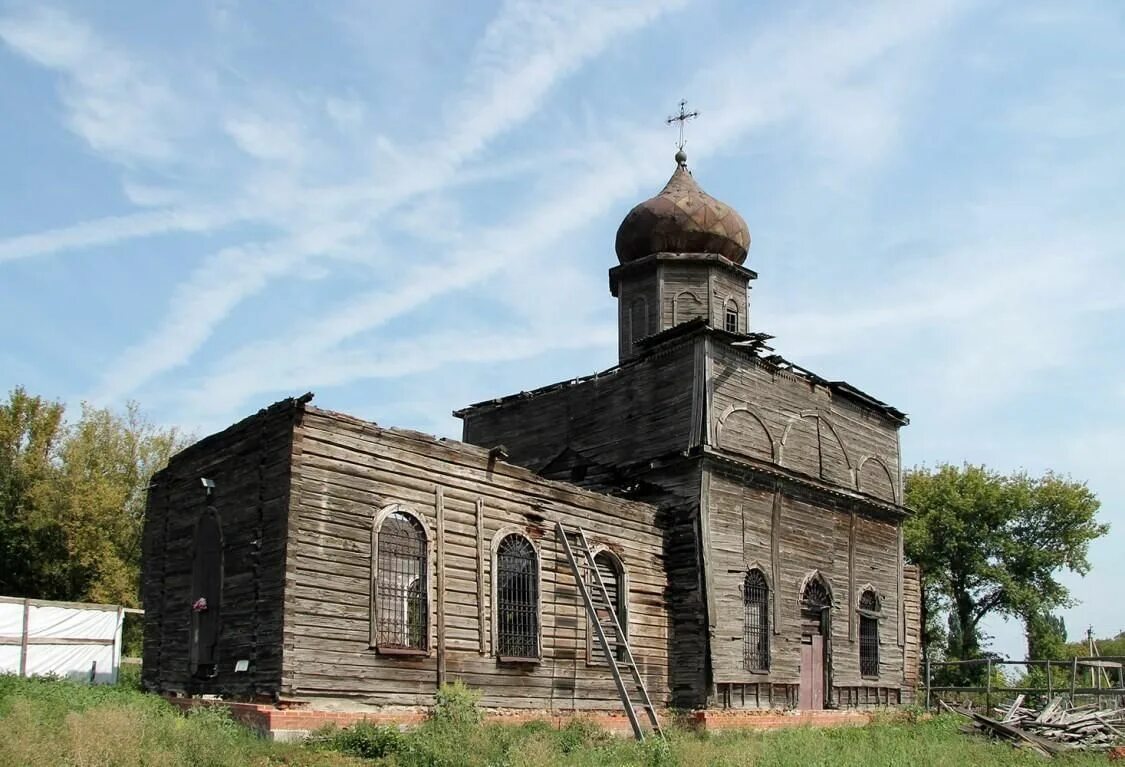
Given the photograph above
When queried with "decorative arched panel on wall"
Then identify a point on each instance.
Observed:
(834, 464)
(800, 445)
(687, 306)
(876, 479)
(742, 431)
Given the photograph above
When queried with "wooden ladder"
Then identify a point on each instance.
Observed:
(615, 650)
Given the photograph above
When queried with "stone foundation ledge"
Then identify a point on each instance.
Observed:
(295, 722)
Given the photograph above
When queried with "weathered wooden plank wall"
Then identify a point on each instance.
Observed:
(628, 415)
(912, 604)
(346, 470)
(249, 464)
(814, 535)
(810, 429)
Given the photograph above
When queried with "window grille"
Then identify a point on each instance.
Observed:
(731, 319)
(401, 607)
(756, 631)
(816, 594)
(613, 578)
(869, 634)
(517, 599)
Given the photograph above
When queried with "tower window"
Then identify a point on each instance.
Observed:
(730, 320)
(756, 629)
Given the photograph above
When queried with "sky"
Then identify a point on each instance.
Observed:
(209, 206)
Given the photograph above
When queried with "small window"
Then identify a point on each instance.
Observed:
(730, 320)
(756, 630)
(869, 634)
(613, 577)
(401, 606)
(517, 599)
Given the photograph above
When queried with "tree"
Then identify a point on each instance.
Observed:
(989, 543)
(1046, 636)
(72, 499)
(30, 430)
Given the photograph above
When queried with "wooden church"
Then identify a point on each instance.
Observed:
(725, 525)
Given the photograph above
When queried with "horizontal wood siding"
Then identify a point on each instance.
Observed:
(727, 286)
(249, 464)
(628, 415)
(812, 431)
(813, 536)
(346, 470)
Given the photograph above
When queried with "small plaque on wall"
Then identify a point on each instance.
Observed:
(242, 665)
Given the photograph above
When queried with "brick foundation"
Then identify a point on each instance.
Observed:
(294, 722)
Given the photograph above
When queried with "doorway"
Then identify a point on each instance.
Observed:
(816, 645)
(810, 697)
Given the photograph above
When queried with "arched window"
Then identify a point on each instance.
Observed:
(401, 606)
(816, 595)
(517, 599)
(869, 610)
(730, 317)
(756, 629)
(613, 576)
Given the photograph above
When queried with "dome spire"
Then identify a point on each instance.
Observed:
(681, 118)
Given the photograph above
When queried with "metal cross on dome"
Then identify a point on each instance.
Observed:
(682, 118)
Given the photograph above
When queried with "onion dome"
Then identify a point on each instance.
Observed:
(682, 219)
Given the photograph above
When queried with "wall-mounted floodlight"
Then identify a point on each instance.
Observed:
(208, 485)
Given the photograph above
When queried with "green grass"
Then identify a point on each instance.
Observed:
(59, 723)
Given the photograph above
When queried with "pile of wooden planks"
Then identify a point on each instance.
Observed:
(1054, 729)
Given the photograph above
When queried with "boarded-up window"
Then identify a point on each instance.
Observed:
(638, 319)
(756, 630)
(517, 599)
(687, 306)
(401, 604)
(613, 577)
(869, 634)
(206, 594)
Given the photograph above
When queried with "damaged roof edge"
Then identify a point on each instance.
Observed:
(752, 344)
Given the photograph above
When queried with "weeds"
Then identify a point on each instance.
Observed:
(47, 722)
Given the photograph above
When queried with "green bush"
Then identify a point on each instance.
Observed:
(580, 733)
(362, 739)
(456, 705)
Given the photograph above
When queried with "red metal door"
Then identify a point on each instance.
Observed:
(811, 694)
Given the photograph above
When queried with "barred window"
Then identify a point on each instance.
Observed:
(756, 631)
(869, 609)
(401, 607)
(730, 320)
(517, 599)
(613, 576)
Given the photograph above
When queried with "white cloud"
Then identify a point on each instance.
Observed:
(525, 52)
(612, 172)
(118, 107)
